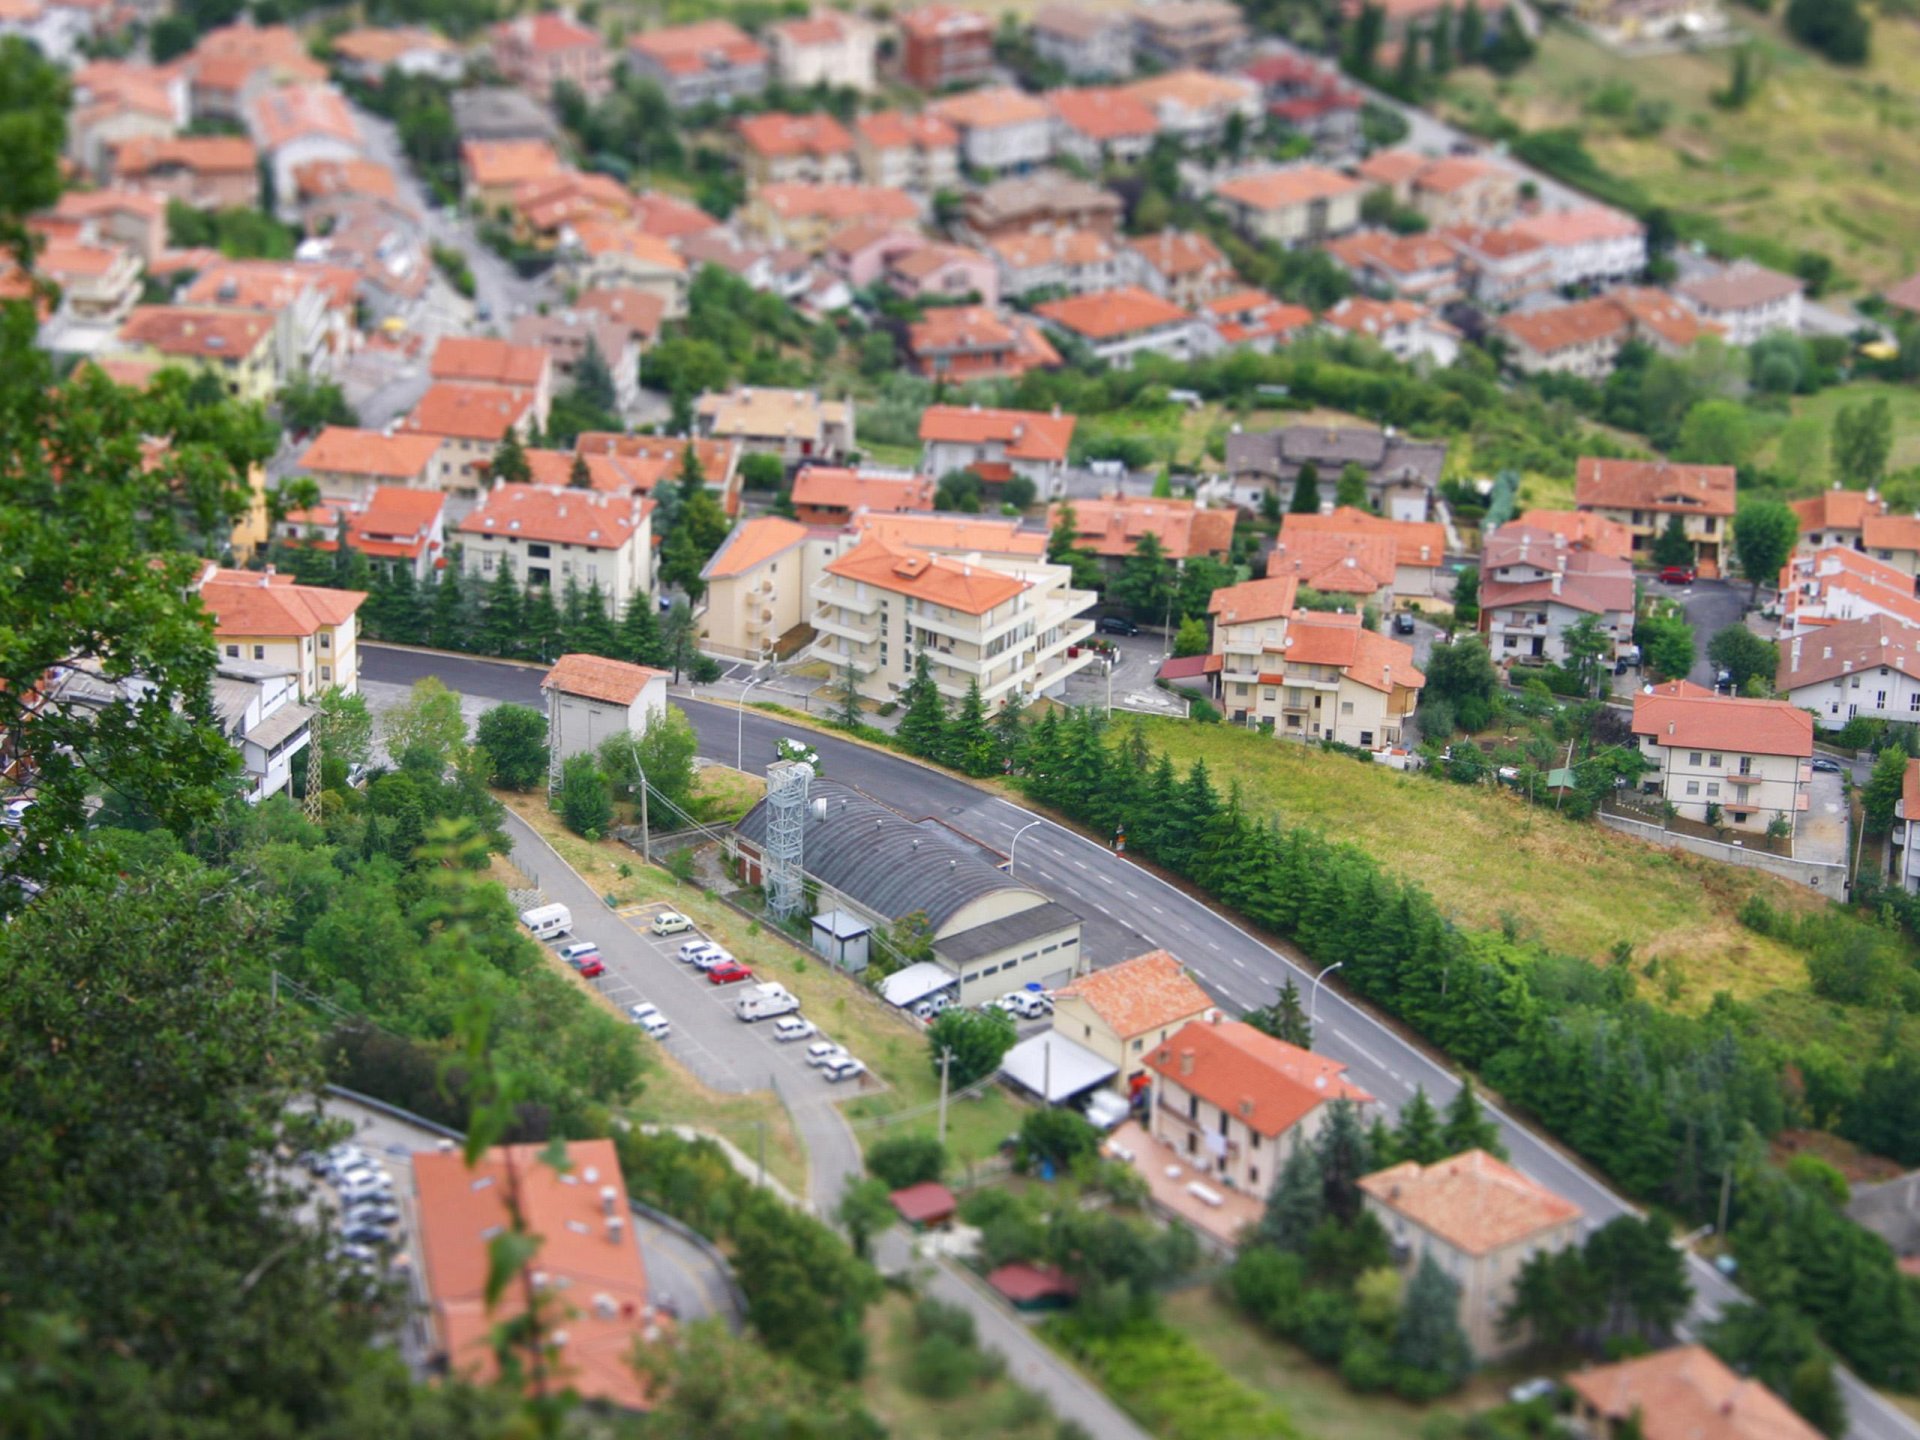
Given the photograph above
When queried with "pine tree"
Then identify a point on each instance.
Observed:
(1297, 1203)
(502, 617)
(923, 727)
(847, 694)
(638, 641)
(1468, 1127)
(1306, 491)
(968, 742)
(446, 628)
(1473, 33)
(545, 630)
(510, 461)
(573, 615)
(693, 475)
(1428, 1339)
(596, 634)
(1382, 1149)
(1342, 1150)
(1417, 1137)
(1441, 41)
(1066, 530)
(1291, 1017)
(403, 609)
(679, 637)
(593, 379)
(1010, 730)
(579, 476)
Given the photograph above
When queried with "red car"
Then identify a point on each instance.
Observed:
(728, 973)
(1677, 575)
(594, 968)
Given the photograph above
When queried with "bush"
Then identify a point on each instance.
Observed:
(586, 799)
(903, 1160)
(1059, 1136)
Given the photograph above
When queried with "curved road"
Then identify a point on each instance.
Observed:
(1127, 910)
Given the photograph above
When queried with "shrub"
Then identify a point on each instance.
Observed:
(680, 864)
(903, 1160)
(586, 799)
(1060, 1136)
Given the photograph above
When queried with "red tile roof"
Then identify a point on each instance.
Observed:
(670, 217)
(845, 488)
(1110, 314)
(1848, 647)
(1335, 562)
(776, 136)
(549, 34)
(796, 199)
(302, 112)
(1838, 509)
(1741, 286)
(1653, 485)
(1254, 600)
(684, 49)
(598, 678)
(205, 334)
(1891, 532)
(558, 515)
(1295, 185)
(1022, 1284)
(990, 108)
(1148, 992)
(1754, 727)
(493, 164)
(200, 154)
(753, 542)
(927, 1203)
(467, 412)
(901, 129)
(1416, 543)
(1267, 1084)
(1686, 1393)
(475, 360)
(1561, 327)
(1113, 525)
(1375, 661)
(1174, 253)
(1103, 113)
(338, 450)
(1583, 530)
(244, 603)
(1472, 1201)
(271, 285)
(1026, 434)
(932, 579)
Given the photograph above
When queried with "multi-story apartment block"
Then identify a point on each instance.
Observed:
(1292, 205)
(1713, 756)
(543, 51)
(1747, 301)
(1117, 325)
(1183, 266)
(1643, 494)
(1086, 44)
(1868, 667)
(1533, 586)
(816, 149)
(553, 536)
(941, 47)
(1200, 34)
(1002, 131)
(234, 346)
(996, 445)
(830, 47)
(711, 60)
(905, 151)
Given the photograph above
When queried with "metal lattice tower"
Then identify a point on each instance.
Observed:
(553, 743)
(787, 782)
(310, 802)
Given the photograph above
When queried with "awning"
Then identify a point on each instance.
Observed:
(1055, 1068)
(916, 982)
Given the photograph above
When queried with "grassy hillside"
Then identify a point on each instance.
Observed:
(1490, 860)
(1822, 158)
(1801, 446)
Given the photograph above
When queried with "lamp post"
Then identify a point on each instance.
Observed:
(1313, 996)
(1014, 844)
(740, 723)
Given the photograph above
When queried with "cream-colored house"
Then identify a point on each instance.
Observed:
(308, 630)
(1127, 1010)
(1744, 759)
(550, 535)
(467, 424)
(350, 464)
(1481, 1221)
(1231, 1100)
(1643, 494)
(759, 585)
(796, 425)
(830, 47)
(1295, 205)
(1007, 624)
(590, 698)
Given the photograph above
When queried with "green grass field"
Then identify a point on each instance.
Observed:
(1822, 158)
(1800, 447)
(998, 1408)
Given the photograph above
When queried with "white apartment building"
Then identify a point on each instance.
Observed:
(1746, 300)
(1534, 586)
(831, 47)
(1001, 131)
(996, 444)
(1744, 758)
(546, 535)
(1867, 667)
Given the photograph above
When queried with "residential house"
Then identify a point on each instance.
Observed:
(1293, 205)
(1002, 131)
(545, 209)
(387, 255)
(1660, 321)
(1007, 626)
(1711, 757)
(58, 29)
(1588, 243)
(1232, 1101)
(312, 307)
(670, 218)
(1183, 266)
(235, 346)
(556, 536)
(295, 125)
(1101, 125)
(1480, 1222)
(208, 172)
(327, 191)
(1499, 268)
(542, 51)
(589, 1251)
(1893, 540)
(499, 112)
(1534, 586)
(1419, 546)
(567, 335)
(829, 494)
(1421, 268)
(994, 538)
(1198, 108)
(1252, 320)
(1116, 325)
(1840, 584)
(1087, 44)
(1580, 339)
(309, 631)
(997, 444)
(1582, 531)
(651, 458)
(1401, 474)
(759, 586)
(902, 151)
(350, 466)
(257, 705)
(804, 217)
(1836, 517)
(1448, 190)
(591, 699)
(1868, 667)
(859, 253)
(234, 65)
(492, 171)
(1906, 815)
(942, 274)
(1682, 1393)
(479, 360)
(1643, 495)
(467, 424)
(1189, 34)
(112, 117)
(834, 48)
(394, 527)
(99, 284)
(796, 425)
(1112, 527)
(942, 47)
(776, 148)
(599, 254)
(366, 55)
(1311, 97)
(1746, 300)
(1075, 262)
(1405, 329)
(710, 60)
(1353, 567)
(1044, 201)
(1125, 1012)
(958, 343)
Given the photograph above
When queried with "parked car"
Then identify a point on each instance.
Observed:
(1115, 625)
(1025, 1004)
(375, 1212)
(691, 950)
(579, 952)
(649, 1019)
(593, 968)
(1677, 574)
(843, 1067)
(1826, 765)
(364, 1235)
(15, 814)
(1527, 1391)
(792, 1027)
(1403, 624)
(671, 922)
(822, 1052)
(729, 973)
(712, 958)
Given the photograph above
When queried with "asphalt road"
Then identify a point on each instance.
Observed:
(1127, 910)
(1710, 606)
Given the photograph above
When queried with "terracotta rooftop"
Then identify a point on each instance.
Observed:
(930, 579)
(753, 542)
(1472, 1201)
(823, 28)
(1364, 315)
(360, 179)
(1294, 185)
(1103, 112)
(951, 534)
(1891, 532)
(558, 515)
(1390, 254)
(66, 260)
(902, 129)
(201, 154)
(467, 412)
(1562, 327)
(1177, 252)
(1846, 648)
(1254, 600)
(685, 49)
(669, 217)
(927, 1203)
(1663, 316)
(338, 450)
(1741, 286)
(1375, 661)
(377, 45)
(1838, 509)
(1583, 529)
(548, 33)
(598, 678)
(795, 199)
(271, 285)
(776, 135)
(1416, 543)
(302, 112)
(845, 488)
(990, 108)
(1584, 225)
(496, 164)
(1113, 525)
(1653, 485)
(1074, 23)
(1753, 727)
(1110, 314)
(1026, 434)
(1058, 247)
(476, 360)
(1335, 562)
(1687, 1393)
(1266, 1084)
(934, 22)
(205, 334)
(247, 603)
(767, 412)
(1148, 992)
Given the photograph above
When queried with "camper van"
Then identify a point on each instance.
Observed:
(763, 1002)
(547, 921)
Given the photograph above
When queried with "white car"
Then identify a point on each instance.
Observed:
(845, 1067)
(824, 1052)
(576, 954)
(712, 956)
(15, 814)
(648, 1017)
(693, 949)
(671, 922)
(792, 1027)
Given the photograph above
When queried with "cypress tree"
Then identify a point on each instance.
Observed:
(923, 727)
(968, 743)
(639, 637)
(502, 616)
(1297, 1203)
(1010, 730)
(1468, 1127)
(446, 622)
(1428, 1339)
(595, 634)
(1417, 1137)
(1306, 491)
(545, 629)
(1342, 1147)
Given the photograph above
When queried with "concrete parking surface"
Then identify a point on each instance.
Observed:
(1821, 835)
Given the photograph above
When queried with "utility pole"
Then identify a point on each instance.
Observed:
(946, 1064)
(761, 1127)
(646, 838)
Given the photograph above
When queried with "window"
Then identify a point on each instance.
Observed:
(1693, 787)
(1253, 1171)
(1856, 682)
(326, 672)
(1346, 707)
(259, 652)
(326, 640)
(1852, 710)
(1879, 699)
(1193, 1107)
(539, 552)
(1713, 787)
(1089, 1030)
(1913, 702)
(1137, 1044)
(233, 651)
(1713, 762)
(1746, 764)
(1694, 758)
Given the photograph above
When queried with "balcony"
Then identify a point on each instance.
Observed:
(830, 592)
(828, 622)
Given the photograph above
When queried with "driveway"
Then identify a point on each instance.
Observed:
(1821, 835)
(1130, 683)
(1710, 607)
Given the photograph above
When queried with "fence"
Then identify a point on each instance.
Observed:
(1829, 879)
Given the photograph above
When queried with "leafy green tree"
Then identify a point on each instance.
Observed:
(1058, 1136)
(1589, 648)
(903, 1160)
(1468, 1127)
(1306, 491)
(1666, 645)
(967, 743)
(665, 750)
(1764, 534)
(308, 404)
(1417, 1136)
(1199, 578)
(1838, 29)
(923, 728)
(1744, 656)
(1461, 673)
(586, 799)
(1192, 637)
(1145, 583)
(344, 726)
(515, 739)
(678, 632)
(1671, 546)
(808, 1290)
(1716, 432)
(510, 461)
(1555, 1301)
(1861, 441)
(428, 723)
(715, 1385)
(1640, 1276)
(33, 127)
(1351, 487)
(1430, 1350)
(1882, 790)
(1466, 597)
(977, 1039)
(865, 1210)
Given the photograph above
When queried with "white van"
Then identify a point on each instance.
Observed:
(547, 921)
(764, 1002)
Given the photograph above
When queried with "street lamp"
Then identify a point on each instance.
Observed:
(1313, 997)
(740, 722)
(1015, 844)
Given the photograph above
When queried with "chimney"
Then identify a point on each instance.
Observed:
(1557, 578)
(1186, 1062)
(609, 1198)
(616, 1229)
